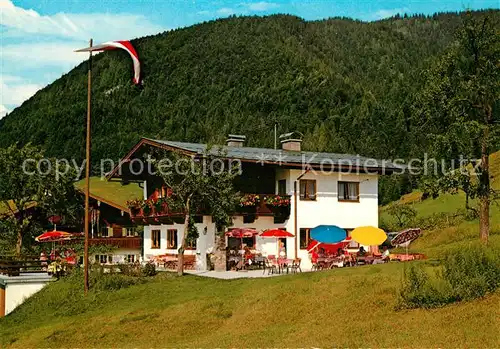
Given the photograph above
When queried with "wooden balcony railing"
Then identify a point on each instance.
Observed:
(252, 204)
(133, 242)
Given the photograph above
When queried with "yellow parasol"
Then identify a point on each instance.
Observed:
(368, 235)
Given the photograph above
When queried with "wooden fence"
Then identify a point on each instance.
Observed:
(13, 266)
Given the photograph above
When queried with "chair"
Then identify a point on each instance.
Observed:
(295, 266)
(271, 267)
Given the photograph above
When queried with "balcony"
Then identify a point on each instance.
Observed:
(134, 242)
(149, 211)
(265, 205)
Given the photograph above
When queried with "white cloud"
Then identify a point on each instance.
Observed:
(56, 53)
(242, 8)
(260, 6)
(226, 11)
(60, 54)
(42, 46)
(3, 110)
(15, 90)
(380, 14)
(101, 26)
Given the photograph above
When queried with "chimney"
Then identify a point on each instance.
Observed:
(235, 140)
(290, 141)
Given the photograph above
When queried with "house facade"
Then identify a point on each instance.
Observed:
(111, 224)
(293, 190)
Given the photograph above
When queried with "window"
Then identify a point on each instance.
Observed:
(131, 258)
(191, 245)
(105, 232)
(155, 238)
(172, 238)
(249, 218)
(103, 259)
(307, 189)
(349, 191)
(282, 187)
(130, 231)
(305, 237)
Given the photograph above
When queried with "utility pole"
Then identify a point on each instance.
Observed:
(87, 175)
(275, 139)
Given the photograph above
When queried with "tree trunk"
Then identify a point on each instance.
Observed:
(19, 243)
(182, 247)
(484, 184)
(220, 252)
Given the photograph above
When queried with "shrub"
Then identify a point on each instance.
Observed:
(113, 282)
(472, 272)
(421, 290)
(463, 275)
(148, 270)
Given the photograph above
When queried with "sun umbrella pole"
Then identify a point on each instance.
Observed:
(87, 174)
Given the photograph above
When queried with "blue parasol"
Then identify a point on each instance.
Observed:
(328, 234)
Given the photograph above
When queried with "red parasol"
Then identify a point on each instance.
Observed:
(332, 248)
(242, 233)
(276, 233)
(52, 236)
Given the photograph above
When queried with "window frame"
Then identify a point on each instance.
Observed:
(347, 185)
(308, 237)
(153, 232)
(175, 245)
(306, 196)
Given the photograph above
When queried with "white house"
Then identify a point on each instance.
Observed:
(321, 188)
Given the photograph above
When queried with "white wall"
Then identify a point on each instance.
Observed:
(204, 243)
(19, 288)
(326, 209)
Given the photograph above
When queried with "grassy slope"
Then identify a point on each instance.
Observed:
(435, 241)
(344, 308)
(113, 192)
(353, 307)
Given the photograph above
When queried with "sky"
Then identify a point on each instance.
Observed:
(38, 37)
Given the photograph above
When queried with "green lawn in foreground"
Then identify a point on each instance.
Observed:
(352, 307)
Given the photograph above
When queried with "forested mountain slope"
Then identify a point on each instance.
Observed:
(347, 85)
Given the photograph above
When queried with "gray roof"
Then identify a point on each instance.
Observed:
(284, 157)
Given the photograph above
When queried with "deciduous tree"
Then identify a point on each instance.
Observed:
(198, 185)
(31, 189)
(459, 110)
